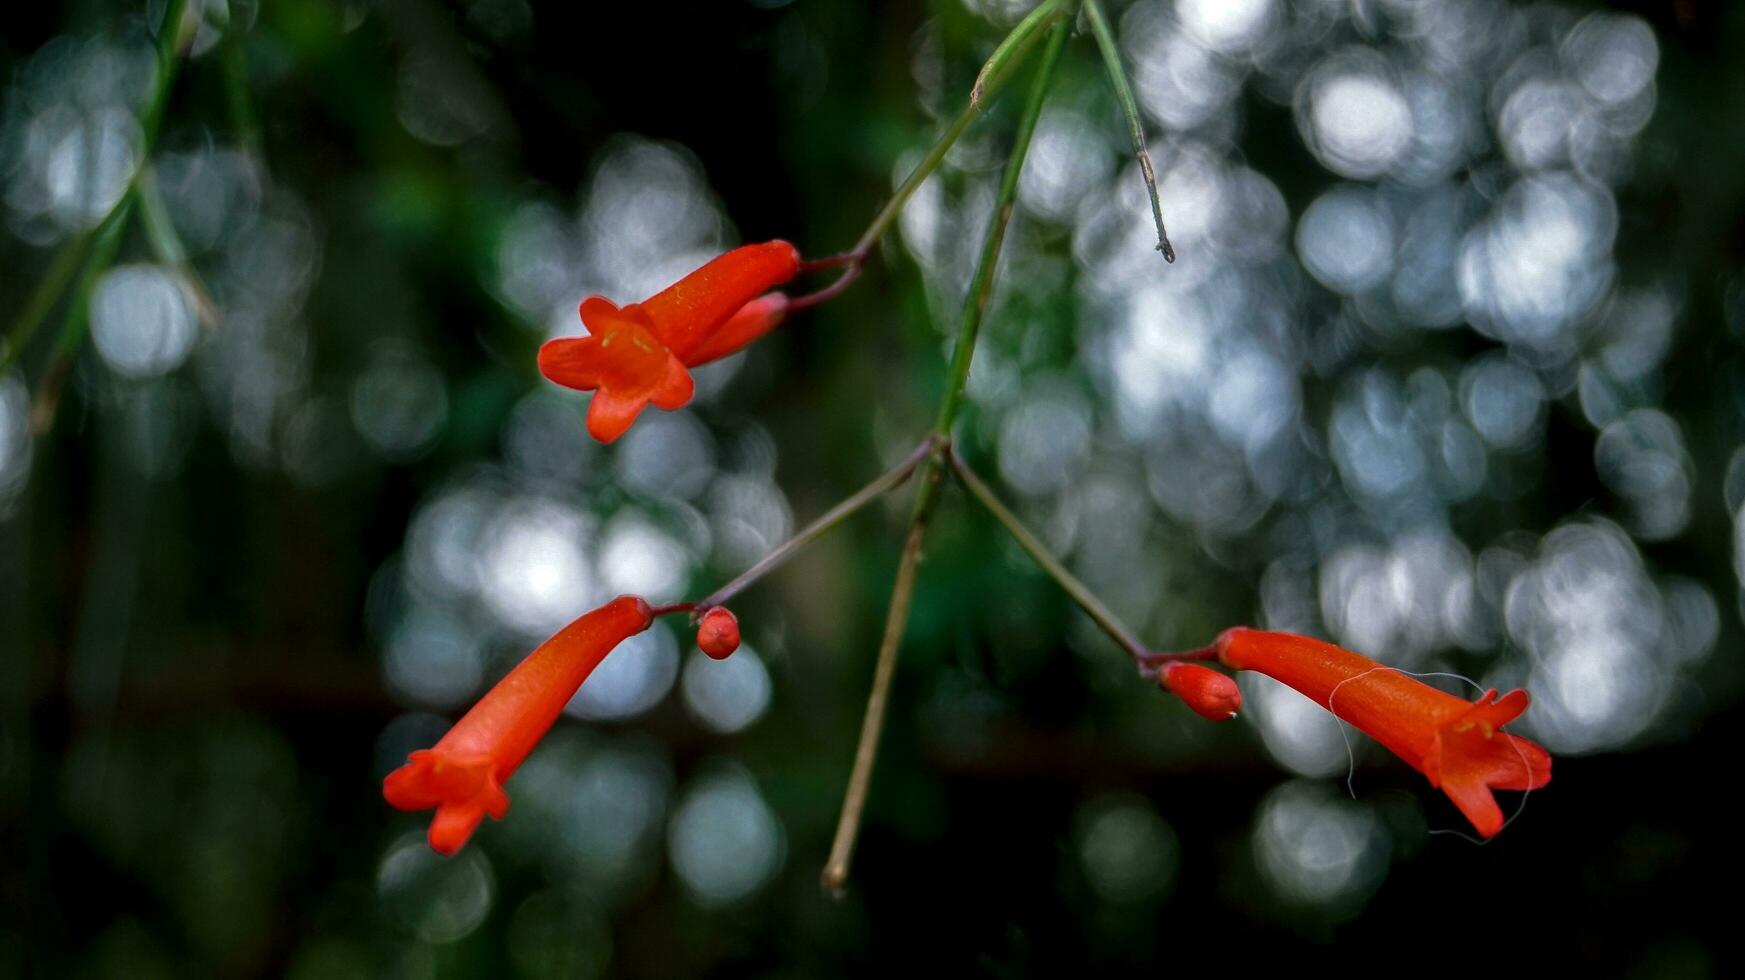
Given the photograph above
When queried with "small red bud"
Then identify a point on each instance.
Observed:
(718, 633)
(1209, 694)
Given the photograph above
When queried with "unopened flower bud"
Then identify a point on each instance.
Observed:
(1209, 694)
(718, 633)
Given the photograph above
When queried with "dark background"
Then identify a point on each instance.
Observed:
(246, 565)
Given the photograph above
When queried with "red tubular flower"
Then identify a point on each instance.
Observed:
(638, 354)
(462, 776)
(1454, 742)
(1209, 694)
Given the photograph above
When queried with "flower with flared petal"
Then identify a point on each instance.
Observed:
(462, 775)
(1457, 744)
(639, 354)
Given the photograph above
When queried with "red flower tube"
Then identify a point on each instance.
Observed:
(638, 354)
(1454, 742)
(462, 776)
(686, 313)
(753, 320)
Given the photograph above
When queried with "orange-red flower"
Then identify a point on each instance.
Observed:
(638, 354)
(462, 776)
(1454, 742)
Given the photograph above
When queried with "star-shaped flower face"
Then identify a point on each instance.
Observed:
(637, 355)
(460, 789)
(622, 361)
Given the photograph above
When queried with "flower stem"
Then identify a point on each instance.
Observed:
(1027, 539)
(1130, 109)
(233, 64)
(1006, 58)
(1154, 660)
(54, 375)
(888, 481)
(849, 274)
(170, 46)
(872, 724)
(167, 248)
(68, 261)
(73, 255)
(835, 874)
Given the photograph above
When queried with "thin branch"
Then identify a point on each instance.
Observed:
(171, 45)
(890, 480)
(1027, 539)
(878, 700)
(1154, 660)
(49, 288)
(233, 65)
(54, 375)
(1011, 50)
(167, 247)
(830, 292)
(835, 874)
(72, 256)
(1006, 58)
(1130, 109)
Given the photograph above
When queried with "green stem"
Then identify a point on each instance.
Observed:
(1130, 109)
(160, 230)
(167, 247)
(102, 254)
(54, 374)
(835, 874)
(73, 254)
(233, 64)
(107, 236)
(1006, 58)
(981, 287)
(872, 723)
(888, 481)
(1027, 539)
(48, 290)
(169, 44)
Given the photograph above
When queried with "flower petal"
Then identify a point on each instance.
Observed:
(430, 777)
(1490, 713)
(675, 388)
(1503, 761)
(573, 362)
(596, 312)
(1477, 803)
(462, 789)
(612, 412)
(1469, 764)
(453, 826)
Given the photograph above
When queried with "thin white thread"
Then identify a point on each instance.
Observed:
(1351, 757)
